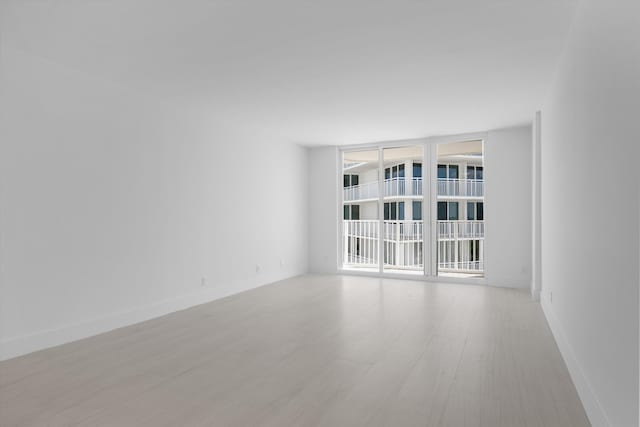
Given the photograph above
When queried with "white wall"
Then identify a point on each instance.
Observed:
(590, 154)
(114, 206)
(508, 207)
(323, 209)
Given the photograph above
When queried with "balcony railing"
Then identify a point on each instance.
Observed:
(403, 187)
(454, 230)
(361, 192)
(400, 187)
(392, 187)
(460, 244)
(460, 187)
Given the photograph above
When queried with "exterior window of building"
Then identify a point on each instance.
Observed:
(396, 171)
(453, 211)
(475, 211)
(448, 171)
(442, 211)
(352, 212)
(417, 170)
(475, 172)
(416, 210)
(447, 211)
(350, 180)
(394, 211)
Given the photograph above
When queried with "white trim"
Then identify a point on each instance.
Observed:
(22, 345)
(536, 203)
(594, 410)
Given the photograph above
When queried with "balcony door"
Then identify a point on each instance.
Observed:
(414, 210)
(360, 222)
(403, 228)
(459, 202)
(382, 197)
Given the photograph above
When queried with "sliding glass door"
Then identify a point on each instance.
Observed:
(360, 219)
(460, 209)
(414, 210)
(403, 226)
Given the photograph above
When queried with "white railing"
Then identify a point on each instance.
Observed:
(361, 192)
(402, 231)
(403, 187)
(392, 187)
(460, 187)
(460, 244)
(461, 266)
(413, 187)
(360, 243)
(454, 230)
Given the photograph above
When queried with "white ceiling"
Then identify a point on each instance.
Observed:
(314, 72)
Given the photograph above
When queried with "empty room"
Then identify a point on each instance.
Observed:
(320, 213)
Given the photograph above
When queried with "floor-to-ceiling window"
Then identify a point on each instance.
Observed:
(403, 237)
(414, 209)
(460, 209)
(360, 223)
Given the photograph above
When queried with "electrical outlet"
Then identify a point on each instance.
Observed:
(281, 262)
(257, 268)
(550, 296)
(203, 281)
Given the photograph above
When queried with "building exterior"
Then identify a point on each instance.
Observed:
(458, 214)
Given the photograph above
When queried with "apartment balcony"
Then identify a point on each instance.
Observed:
(460, 230)
(413, 187)
(461, 188)
(460, 245)
(362, 192)
(393, 187)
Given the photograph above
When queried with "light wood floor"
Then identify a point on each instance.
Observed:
(313, 350)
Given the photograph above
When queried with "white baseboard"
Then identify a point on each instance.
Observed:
(594, 410)
(22, 345)
(508, 283)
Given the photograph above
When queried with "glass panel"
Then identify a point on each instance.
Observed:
(453, 211)
(417, 170)
(460, 208)
(355, 212)
(361, 225)
(403, 230)
(416, 211)
(471, 172)
(442, 171)
(442, 211)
